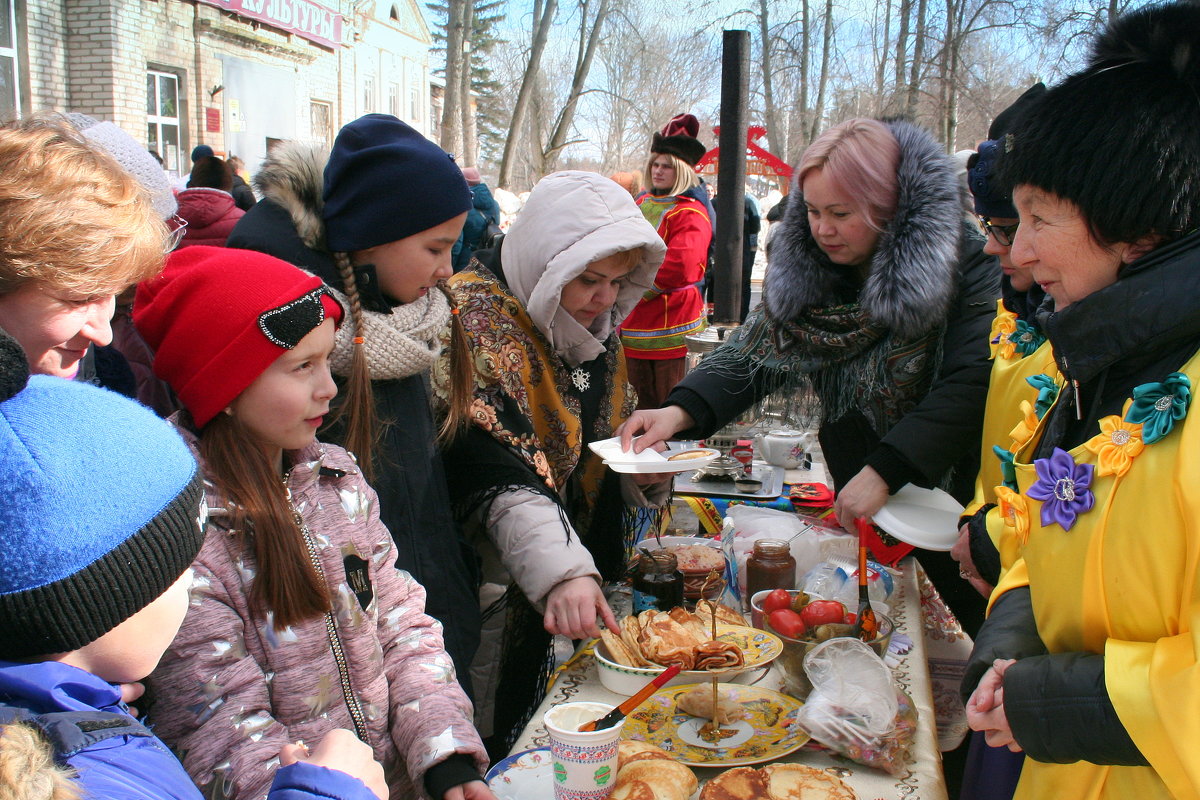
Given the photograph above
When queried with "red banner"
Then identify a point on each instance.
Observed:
(306, 19)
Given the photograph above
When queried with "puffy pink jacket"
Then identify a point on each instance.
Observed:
(231, 690)
(210, 214)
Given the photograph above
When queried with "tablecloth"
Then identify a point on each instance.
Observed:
(578, 680)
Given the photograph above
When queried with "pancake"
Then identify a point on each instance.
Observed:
(739, 783)
(654, 779)
(800, 782)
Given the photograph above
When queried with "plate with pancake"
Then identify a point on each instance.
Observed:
(766, 730)
(678, 457)
(777, 782)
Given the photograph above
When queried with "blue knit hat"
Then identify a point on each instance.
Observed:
(992, 199)
(201, 151)
(384, 182)
(101, 513)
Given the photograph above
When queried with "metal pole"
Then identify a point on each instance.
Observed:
(731, 177)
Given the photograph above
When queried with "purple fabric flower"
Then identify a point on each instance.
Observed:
(1063, 487)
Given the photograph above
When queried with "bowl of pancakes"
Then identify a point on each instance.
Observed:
(647, 643)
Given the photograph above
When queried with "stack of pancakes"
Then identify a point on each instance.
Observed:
(776, 782)
(646, 772)
(663, 639)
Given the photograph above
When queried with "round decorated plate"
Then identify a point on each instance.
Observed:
(768, 731)
(759, 647)
(523, 776)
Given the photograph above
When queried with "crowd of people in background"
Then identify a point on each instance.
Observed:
(308, 456)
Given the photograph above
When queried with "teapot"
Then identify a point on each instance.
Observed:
(783, 448)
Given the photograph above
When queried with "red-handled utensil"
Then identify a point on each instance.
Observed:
(866, 625)
(618, 713)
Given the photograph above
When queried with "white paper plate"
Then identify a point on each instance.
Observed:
(651, 461)
(925, 518)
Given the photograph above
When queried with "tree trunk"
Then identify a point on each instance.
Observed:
(543, 15)
(451, 133)
(914, 74)
(902, 41)
(776, 141)
(881, 64)
(805, 59)
(470, 144)
(823, 81)
(583, 65)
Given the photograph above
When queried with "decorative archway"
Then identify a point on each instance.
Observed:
(759, 160)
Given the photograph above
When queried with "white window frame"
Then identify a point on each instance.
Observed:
(12, 53)
(158, 120)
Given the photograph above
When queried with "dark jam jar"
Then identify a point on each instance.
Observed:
(657, 582)
(770, 566)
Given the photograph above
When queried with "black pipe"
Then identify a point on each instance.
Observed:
(731, 177)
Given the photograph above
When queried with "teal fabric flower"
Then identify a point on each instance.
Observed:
(1158, 406)
(1007, 470)
(1047, 391)
(1026, 338)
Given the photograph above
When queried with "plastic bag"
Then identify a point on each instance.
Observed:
(751, 523)
(855, 708)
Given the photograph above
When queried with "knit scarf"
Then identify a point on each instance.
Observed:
(850, 362)
(403, 343)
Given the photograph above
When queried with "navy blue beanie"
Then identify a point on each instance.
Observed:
(101, 514)
(384, 182)
(201, 151)
(992, 199)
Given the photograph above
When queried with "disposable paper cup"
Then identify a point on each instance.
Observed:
(585, 764)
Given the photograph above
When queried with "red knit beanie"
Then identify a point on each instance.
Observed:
(217, 317)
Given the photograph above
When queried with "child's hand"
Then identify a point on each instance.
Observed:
(131, 692)
(341, 750)
(475, 790)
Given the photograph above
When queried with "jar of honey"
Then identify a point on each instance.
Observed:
(657, 582)
(770, 566)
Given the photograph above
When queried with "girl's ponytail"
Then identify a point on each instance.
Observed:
(287, 583)
(356, 413)
(461, 377)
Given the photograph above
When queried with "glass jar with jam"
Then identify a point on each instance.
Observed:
(770, 566)
(657, 582)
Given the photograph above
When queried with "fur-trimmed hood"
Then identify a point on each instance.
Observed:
(294, 177)
(914, 270)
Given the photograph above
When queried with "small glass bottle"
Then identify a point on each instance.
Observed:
(770, 566)
(657, 583)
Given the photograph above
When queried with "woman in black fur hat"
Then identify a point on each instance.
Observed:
(878, 297)
(1089, 661)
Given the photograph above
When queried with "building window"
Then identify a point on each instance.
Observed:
(10, 92)
(369, 102)
(414, 105)
(162, 119)
(321, 115)
(394, 100)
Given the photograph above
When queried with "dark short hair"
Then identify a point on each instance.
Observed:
(212, 173)
(1119, 139)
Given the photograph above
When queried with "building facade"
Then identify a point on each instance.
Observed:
(237, 75)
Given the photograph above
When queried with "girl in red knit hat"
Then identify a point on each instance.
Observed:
(299, 620)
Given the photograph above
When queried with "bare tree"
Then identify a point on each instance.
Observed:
(454, 99)
(589, 35)
(543, 15)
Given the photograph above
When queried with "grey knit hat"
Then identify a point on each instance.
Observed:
(136, 160)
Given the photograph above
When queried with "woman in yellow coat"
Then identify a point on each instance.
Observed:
(1089, 661)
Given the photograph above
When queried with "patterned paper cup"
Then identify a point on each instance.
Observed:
(585, 764)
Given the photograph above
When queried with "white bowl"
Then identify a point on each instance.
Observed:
(761, 649)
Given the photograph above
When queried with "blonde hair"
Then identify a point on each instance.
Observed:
(862, 156)
(70, 217)
(685, 174)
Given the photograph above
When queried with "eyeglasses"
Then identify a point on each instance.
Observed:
(176, 228)
(1004, 233)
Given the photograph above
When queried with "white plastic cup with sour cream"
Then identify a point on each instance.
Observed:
(585, 764)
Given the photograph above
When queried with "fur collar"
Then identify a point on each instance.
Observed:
(294, 177)
(914, 269)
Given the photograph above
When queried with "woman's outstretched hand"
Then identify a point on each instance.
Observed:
(572, 607)
(654, 426)
(862, 496)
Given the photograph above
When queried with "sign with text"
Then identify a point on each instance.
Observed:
(306, 19)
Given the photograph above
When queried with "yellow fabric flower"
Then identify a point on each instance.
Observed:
(1003, 327)
(1025, 428)
(1117, 444)
(1014, 511)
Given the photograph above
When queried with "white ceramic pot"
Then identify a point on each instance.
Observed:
(783, 448)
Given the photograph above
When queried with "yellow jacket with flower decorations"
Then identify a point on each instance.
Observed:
(1121, 582)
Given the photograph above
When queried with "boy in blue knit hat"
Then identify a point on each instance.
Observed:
(101, 519)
